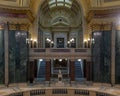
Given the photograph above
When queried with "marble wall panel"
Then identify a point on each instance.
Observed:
(18, 56)
(101, 56)
(117, 57)
(2, 63)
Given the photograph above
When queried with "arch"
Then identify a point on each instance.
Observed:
(38, 3)
(79, 14)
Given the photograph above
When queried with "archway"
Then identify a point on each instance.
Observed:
(60, 19)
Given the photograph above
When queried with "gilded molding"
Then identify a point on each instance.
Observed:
(100, 27)
(12, 27)
(30, 16)
(102, 13)
(1, 26)
(24, 27)
(14, 13)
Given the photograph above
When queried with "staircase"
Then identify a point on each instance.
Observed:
(79, 71)
(41, 71)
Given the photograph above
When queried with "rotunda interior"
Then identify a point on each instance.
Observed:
(59, 47)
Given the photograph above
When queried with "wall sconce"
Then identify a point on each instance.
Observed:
(79, 60)
(31, 43)
(93, 40)
(35, 43)
(85, 43)
(51, 43)
(48, 40)
(89, 41)
(70, 41)
(60, 60)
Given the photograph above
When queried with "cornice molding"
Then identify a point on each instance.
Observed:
(103, 13)
(17, 13)
(14, 7)
(59, 27)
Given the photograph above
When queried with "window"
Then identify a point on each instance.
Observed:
(65, 3)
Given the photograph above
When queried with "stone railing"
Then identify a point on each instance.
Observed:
(60, 52)
(59, 91)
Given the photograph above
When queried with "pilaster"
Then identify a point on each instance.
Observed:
(48, 72)
(88, 70)
(72, 70)
(6, 53)
(113, 55)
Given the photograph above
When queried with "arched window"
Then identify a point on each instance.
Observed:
(66, 3)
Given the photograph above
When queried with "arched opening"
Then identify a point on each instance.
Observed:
(60, 20)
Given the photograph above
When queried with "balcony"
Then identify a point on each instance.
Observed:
(72, 53)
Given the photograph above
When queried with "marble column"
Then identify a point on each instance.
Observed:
(6, 29)
(72, 70)
(48, 70)
(113, 54)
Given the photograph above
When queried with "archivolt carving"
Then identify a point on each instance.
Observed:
(67, 16)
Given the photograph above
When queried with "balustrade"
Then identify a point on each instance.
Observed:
(53, 52)
(60, 91)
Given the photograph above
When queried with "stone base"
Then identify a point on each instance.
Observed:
(59, 83)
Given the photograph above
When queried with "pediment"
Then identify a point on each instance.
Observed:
(60, 24)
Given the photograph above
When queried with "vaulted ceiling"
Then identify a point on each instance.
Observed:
(34, 5)
(65, 12)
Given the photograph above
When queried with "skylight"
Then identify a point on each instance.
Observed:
(55, 3)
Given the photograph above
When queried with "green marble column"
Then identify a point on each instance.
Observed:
(117, 57)
(18, 56)
(2, 55)
(101, 56)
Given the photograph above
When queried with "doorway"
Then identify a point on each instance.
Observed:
(60, 65)
(60, 42)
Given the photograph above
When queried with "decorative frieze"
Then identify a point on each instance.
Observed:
(24, 27)
(12, 27)
(103, 15)
(101, 26)
(17, 13)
